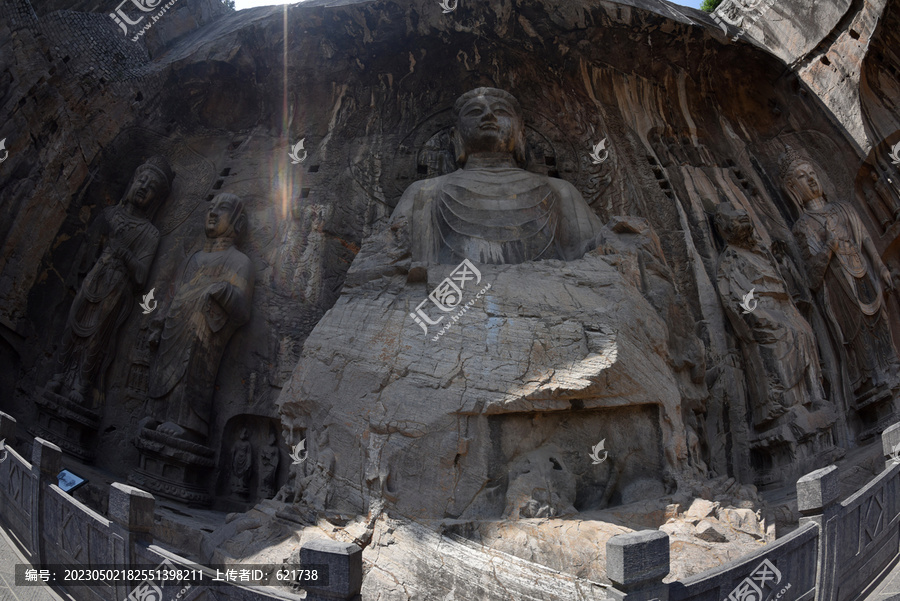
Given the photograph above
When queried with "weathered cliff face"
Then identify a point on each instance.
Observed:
(691, 120)
(840, 49)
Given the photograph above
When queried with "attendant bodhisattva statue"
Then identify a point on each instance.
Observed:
(109, 291)
(211, 300)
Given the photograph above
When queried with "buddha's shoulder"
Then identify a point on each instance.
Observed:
(562, 186)
(432, 183)
(238, 256)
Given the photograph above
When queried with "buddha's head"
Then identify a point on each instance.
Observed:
(150, 185)
(734, 225)
(800, 178)
(488, 120)
(225, 217)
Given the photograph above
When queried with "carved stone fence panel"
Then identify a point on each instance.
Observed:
(858, 538)
(862, 533)
(52, 528)
(837, 553)
(787, 565)
(17, 485)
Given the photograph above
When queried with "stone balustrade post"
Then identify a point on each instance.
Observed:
(7, 428)
(890, 444)
(636, 563)
(46, 462)
(131, 512)
(344, 561)
(816, 494)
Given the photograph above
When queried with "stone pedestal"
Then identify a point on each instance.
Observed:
(68, 424)
(876, 410)
(173, 468)
(797, 443)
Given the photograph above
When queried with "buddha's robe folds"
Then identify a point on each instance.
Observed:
(781, 344)
(106, 296)
(831, 240)
(196, 332)
(496, 215)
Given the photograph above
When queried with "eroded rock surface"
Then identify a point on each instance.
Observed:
(631, 343)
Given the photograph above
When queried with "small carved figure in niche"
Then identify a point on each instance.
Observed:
(879, 196)
(778, 343)
(241, 461)
(842, 261)
(211, 300)
(491, 210)
(268, 467)
(107, 294)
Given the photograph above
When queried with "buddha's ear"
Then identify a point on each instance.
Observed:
(790, 184)
(520, 147)
(240, 224)
(459, 149)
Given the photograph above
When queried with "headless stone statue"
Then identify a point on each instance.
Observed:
(241, 462)
(491, 210)
(842, 262)
(107, 294)
(268, 467)
(211, 300)
(779, 343)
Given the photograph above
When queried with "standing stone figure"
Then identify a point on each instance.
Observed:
(778, 343)
(880, 197)
(107, 294)
(842, 262)
(241, 462)
(268, 467)
(211, 300)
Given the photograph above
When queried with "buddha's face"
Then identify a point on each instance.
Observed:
(147, 187)
(804, 183)
(219, 217)
(488, 124)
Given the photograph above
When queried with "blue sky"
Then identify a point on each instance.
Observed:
(239, 4)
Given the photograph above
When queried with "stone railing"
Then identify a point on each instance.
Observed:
(50, 527)
(836, 554)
